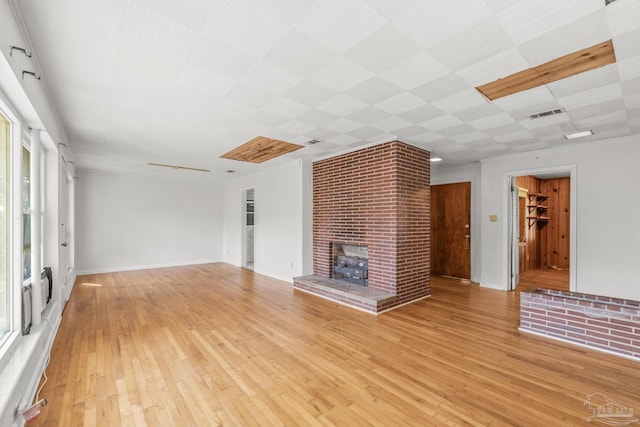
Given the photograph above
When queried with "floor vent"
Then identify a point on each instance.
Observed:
(547, 113)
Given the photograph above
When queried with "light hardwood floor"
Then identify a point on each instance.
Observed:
(219, 345)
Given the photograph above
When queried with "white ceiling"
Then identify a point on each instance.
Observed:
(182, 82)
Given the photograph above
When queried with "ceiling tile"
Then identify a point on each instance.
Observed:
(199, 79)
(267, 119)
(364, 132)
(416, 71)
(629, 68)
(310, 93)
(441, 88)
(504, 129)
(342, 125)
(391, 124)
(285, 10)
(373, 90)
(631, 86)
(248, 96)
(484, 39)
(426, 138)
(619, 116)
(596, 109)
(316, 117)
(525, 99)
(446, 18)
(339, 24)
(441, 122)
(525, 20)
(452, 131)
(341, 74)
(421, 114)
(587, 31)
(492, 121)
(410, 131)
(627, 45)
(285, 107)
(400, 103)
(623, 16)
(602, 94)
(341, 105)
(194, 16)
(477, 112)
(296, 127)
(343, 139)
(144, 29)
(461, 101)
(515, 136)
(469, 137)
(244, 25)
(367, 115)
(383, 49)
(299, 54)
(391, 9)
(270, 78)
(496, 67)
(219, 58)
(580, 82)
(632, 101)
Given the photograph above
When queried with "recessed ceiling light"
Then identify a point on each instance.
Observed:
(436, 159)
(579, 134)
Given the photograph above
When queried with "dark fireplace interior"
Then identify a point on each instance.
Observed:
(350, 263)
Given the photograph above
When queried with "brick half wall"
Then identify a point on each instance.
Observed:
(594, 321)
(377, 197)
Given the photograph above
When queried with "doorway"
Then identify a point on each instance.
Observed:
(248, 221)
(451, 230)
(541, 231)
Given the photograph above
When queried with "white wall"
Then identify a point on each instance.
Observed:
(128, 221)
(282, 226)
(606, 212)
(467, 173)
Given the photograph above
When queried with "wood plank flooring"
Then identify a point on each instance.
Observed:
(218, 345)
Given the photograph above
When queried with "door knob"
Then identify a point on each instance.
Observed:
(65, 244)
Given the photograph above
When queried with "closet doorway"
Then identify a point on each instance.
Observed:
(541, 231)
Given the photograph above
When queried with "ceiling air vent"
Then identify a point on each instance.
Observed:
(313, 141)
(546, 113)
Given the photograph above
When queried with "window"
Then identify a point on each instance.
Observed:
(5, 291)
(26, 214)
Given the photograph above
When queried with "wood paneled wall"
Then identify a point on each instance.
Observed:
(547, 244)
(532, 248)
(554, 242)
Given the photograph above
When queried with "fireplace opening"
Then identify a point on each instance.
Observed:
(351, 263)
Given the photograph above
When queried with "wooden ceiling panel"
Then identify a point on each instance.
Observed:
(261, 149)
(566, 66)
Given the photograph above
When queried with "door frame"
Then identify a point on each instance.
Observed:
(243, 226)
(475, 230)
(508, 226)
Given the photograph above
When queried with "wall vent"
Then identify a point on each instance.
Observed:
(547, 113)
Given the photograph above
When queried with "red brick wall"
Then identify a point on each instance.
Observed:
(377, 197)
(598, 322)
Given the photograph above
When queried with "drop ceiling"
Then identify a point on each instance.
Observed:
(183, 82)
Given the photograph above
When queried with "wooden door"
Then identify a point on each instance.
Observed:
(451, 230)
